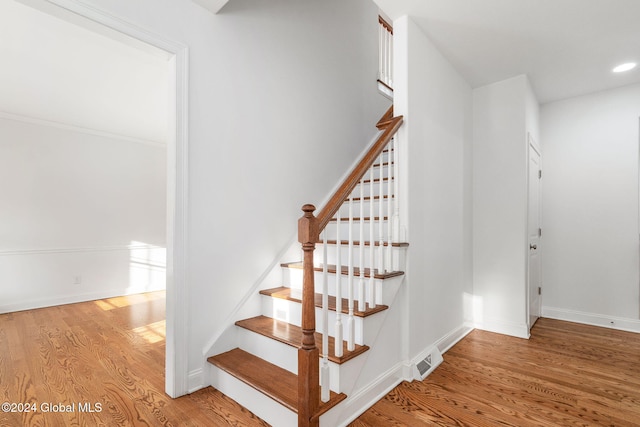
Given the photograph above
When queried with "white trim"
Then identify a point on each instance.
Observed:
(453, 337)
(66, 250)
(71, 299)
(505, 327)
(196, 380)
(212, 6)
(207, 350)
(366, 397)
(177, 374)
(594, 319)
(73, 128)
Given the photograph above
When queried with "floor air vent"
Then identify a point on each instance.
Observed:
(425, 363)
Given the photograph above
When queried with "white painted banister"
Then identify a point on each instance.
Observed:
(351, 334)
(338, 292)
(313, 383)
(385, 53)
(372, 240)
(325, 378)
(390, 201)
(381, 203)
(361, 281)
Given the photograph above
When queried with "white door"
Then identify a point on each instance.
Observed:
(534, 233)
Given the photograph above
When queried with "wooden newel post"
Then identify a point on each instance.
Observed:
(308, 353)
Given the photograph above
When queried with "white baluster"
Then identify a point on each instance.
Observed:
(324, 369)
(372, 241)
(362, 295)
(381, 48)
(396, 189)
(386, 56)
(390, 200)
(390, 76)
(381, 266)
(338, 331)
(351, 337)
(389, 58)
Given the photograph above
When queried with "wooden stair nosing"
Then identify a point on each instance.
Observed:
(283, 292)
(366, 243)
(367, 181)
(345, 270)
(366, 218)
(292, 335)
(377, 165)
(269, 379)
(357, 199)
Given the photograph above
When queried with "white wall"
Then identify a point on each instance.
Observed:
(436, 143)
(590, 208)
(503, 114)
(282, 98)
(81, 217)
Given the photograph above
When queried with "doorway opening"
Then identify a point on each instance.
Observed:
(176, 57)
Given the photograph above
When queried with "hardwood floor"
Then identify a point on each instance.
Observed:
(565, 375)
(104, 356)
(108, 356)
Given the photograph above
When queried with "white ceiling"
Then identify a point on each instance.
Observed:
(566, 47)
(56, 71)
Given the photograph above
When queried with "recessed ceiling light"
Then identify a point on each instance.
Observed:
(625, 67)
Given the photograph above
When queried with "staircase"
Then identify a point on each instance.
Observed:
(282, 368)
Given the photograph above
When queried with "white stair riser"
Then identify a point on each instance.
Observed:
(376, 170)
(291, 312)
(331, 231)
(260, 404)
(397, 256)
(286, 357)
(344, 212)
(292, 278)
(366, 187)
(266, 348)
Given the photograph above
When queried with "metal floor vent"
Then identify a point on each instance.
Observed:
(424, 365)
(426, 362)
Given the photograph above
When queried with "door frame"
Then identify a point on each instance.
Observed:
(532, 144)
(177, 319)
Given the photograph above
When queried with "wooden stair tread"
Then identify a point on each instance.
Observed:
(357, 199)
(368, 181)
(295, 295)
(345, 270)
(367, 243)
(292, 335)
(275, 382)
(357, 218)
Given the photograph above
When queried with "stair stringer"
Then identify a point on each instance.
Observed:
(380, 371)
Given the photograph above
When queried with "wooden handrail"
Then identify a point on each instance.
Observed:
(385, 24)
(309, 228)
(334, 203)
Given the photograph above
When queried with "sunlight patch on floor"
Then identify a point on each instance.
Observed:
(153, 332)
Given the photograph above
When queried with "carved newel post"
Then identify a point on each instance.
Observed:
(308, 353)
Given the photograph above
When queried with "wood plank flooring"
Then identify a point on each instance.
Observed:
(111, 353)
(565, 375)
(106, 356)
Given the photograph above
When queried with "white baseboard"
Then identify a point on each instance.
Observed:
(195, 380)
(505, 327)
(613, 322)
(364, 398)
(72, 299)
(452, 338)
